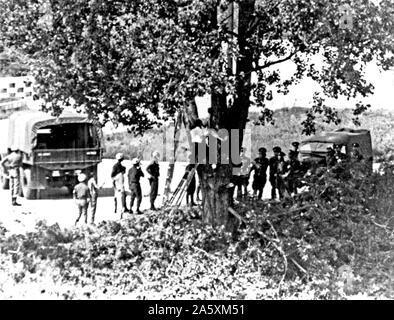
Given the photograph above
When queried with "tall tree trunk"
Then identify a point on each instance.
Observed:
(214, 182)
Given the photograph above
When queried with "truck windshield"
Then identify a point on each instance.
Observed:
(67, 136)
(315, 147)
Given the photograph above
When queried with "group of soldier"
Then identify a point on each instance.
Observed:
(86, 192)
(284, 177)
(282, 173)
(134, 175)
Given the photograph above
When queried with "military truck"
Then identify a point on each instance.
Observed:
(55, 149)
(313, 150)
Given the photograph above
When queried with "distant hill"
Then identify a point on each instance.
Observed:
(287, 128)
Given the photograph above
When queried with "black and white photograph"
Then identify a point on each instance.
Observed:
(196, 150)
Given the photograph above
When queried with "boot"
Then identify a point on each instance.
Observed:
(14, 203)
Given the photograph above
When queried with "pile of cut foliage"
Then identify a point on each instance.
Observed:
(333, 241)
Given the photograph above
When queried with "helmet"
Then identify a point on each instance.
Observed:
(135, 161)
(295, 144)
(262, 150)
(277, 149)
(14, 147)
(119, 156)
(356, 145)
(81, 177)
(155, 154)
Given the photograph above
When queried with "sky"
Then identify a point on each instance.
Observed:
(301, 95)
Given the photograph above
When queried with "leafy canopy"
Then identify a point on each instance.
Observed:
(138, 62)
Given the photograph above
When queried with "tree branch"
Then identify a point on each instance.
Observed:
(271, 63)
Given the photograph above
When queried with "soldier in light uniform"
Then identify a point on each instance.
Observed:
(93, 189)
(12, 164)
(134, 175)
(244, 174)
(81, 196)
(153, 170)
(117, 176)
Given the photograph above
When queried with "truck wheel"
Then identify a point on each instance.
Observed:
(28, 192)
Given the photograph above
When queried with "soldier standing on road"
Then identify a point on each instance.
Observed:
(14, 164)
(153, 170)
(259, 166)
(274, 164)
(81, 196)
(117, 176)
(93, 189)
(134, 175)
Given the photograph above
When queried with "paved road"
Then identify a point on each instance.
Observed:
(58, 207)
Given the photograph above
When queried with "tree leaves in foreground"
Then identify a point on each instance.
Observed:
(334, 241)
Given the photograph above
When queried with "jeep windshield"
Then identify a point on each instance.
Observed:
(315, 147)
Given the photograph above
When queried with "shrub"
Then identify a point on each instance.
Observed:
(332, 241)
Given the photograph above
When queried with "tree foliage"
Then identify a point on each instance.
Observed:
(137, 62)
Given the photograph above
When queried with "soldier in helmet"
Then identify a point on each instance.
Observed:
(134, 175)
(117, 175)
(12, 164)
(295, 145)
(81, 196)
(259, 166)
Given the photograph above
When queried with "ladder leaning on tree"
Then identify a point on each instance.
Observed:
(179, 193)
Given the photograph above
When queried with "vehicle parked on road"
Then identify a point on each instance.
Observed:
(55, 149)
(313, 150)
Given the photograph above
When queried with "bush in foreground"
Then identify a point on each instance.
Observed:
(333, 241)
